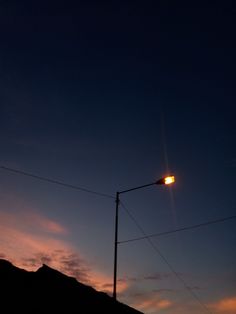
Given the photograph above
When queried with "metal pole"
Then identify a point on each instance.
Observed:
(116, 244)
(142, 186)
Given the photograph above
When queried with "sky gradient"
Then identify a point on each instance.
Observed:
(109, 95)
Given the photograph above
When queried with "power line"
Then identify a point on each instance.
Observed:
(61, 183)
(157, 250)
(211, 222)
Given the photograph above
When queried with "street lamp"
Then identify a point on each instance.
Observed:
(165, 180)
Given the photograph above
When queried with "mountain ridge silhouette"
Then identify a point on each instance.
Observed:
(49, 291)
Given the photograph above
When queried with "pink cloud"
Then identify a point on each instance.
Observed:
(28, 239)
(18, 245)
(45, 224)
(29, 219)
(226, 305)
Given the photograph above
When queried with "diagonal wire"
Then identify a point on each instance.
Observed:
(157, 250)
(211, 222)
(71, 186)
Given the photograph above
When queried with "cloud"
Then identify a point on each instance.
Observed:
(104, 283)
(76, 267)
(31, 220)
(47, 225)
(150, 277)
(29, 240)
(158, 276)
(63, 260)
(153, 304)
(226, 305)
(149, 301)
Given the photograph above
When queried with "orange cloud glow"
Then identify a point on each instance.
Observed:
(103, 283)
(153, 303)
(226, 305)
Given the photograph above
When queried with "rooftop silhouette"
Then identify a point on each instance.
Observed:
(50, 291)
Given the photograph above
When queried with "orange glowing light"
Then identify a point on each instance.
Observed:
(169, 180)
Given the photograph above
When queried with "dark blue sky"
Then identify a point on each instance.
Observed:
(108, 95)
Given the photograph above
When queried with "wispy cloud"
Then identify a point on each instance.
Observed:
(157, 276)
(150, 277)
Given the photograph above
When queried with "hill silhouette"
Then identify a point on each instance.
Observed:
(49, 291)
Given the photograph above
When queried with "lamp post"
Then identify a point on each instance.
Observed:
(165, 180)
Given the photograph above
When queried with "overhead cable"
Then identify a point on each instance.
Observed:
(157, 250)
(71, 186)
(211, 222)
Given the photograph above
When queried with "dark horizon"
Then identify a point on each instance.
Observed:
(50, 290)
